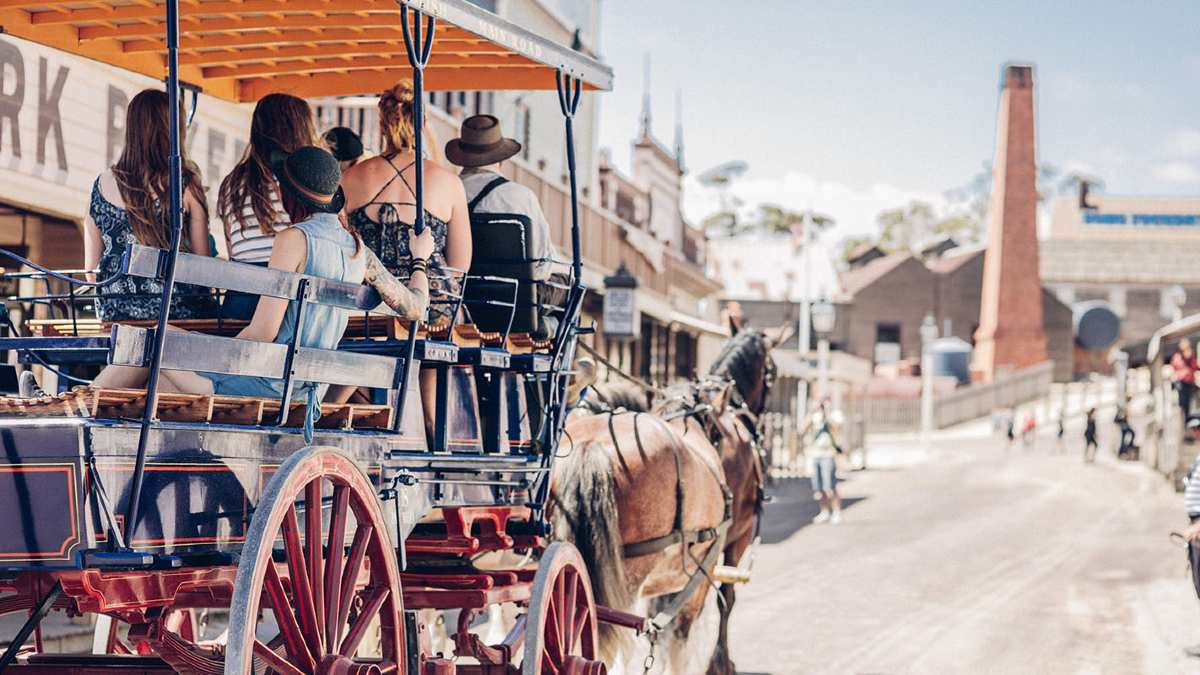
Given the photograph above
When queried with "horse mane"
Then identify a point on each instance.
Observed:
(741, 360)
(622, 394)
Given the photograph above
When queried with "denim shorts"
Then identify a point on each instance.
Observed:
(824, 474)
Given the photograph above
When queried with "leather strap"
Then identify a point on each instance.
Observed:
(487, 190)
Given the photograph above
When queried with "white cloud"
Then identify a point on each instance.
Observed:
(1178, 172)
(853, 208)
(1184, 143)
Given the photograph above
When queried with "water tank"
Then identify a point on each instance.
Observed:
(1097, 326)
(951, 357)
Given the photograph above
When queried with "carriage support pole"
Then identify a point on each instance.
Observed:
(563, 353)
(417, 45)
(168, 276)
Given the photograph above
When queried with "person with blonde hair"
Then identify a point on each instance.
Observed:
(380, 200)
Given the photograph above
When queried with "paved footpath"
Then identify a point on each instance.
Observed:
(967, 557)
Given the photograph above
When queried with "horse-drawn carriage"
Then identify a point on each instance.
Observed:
(322, 533)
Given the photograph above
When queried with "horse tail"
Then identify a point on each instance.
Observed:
(585, 513)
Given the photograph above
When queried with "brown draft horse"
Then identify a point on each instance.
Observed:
(690, 464)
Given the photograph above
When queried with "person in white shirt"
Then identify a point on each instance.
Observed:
(480, 150)
(821, 453)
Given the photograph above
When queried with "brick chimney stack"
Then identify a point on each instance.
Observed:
(1011, 333)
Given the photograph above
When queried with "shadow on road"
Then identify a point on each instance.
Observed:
(791, 509)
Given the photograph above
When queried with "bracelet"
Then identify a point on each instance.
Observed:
(420, 265)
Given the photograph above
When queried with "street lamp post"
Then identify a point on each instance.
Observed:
(824, 318)
(929, 333)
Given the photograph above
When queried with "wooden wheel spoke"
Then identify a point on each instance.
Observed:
(358, 551)
(581, 624)
(298, 575)
(567, 613)
(289, 630)
(315, 557)
(274, 660)
(363, 621)
(333, 571)
(553, 633)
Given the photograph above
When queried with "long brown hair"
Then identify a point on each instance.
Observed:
(396, 117)
(143, 170)
(281, 122)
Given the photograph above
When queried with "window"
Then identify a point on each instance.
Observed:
(887, 343)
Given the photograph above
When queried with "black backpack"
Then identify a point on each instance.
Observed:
(501, 247)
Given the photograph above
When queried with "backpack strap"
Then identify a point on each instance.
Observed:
(487, 190)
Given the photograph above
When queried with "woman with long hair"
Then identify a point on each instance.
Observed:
(130, 204)
(249, 202)
(380, 201)
(318, 243)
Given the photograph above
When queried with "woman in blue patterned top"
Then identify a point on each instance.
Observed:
(131, 203)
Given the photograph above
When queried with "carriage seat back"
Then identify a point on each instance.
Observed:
(148, 262)
(131, 345)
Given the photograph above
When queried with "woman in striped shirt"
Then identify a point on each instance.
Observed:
(248, 203)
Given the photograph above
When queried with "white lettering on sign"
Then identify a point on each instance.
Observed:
(620, 313)
(1142, 219)
(62, 123)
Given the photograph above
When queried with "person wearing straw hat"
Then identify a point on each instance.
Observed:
(480, 150)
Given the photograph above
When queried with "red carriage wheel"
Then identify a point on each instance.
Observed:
(324, 596)
(560, 629)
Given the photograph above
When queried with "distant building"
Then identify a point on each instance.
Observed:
(883, 303)
(1134, 253)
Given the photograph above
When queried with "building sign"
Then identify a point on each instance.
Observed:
(621, 314)
(62, 122)
(1141, 219)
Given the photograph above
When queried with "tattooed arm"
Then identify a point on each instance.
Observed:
(409, 301)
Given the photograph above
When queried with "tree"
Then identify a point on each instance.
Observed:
(905, 227)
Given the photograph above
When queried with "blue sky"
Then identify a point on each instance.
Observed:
(852, 106)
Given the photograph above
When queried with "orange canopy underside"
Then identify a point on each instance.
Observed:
(241, 50)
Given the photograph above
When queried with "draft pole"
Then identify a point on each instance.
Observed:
(168, 276)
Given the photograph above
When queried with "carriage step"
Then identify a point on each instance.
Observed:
(241, 410)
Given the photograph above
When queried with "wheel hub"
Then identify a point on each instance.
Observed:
(577, 665)
(340, 665)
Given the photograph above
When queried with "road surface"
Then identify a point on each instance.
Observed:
(968, 557)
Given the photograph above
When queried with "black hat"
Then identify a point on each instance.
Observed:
(480, 143)
(345, 145)
(312, 175)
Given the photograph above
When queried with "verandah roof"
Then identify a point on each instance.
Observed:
(241, 50)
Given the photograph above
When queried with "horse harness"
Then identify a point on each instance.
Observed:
(678, 533)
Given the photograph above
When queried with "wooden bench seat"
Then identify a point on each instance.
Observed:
(247, 410)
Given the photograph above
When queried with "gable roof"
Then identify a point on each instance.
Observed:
(856, 279)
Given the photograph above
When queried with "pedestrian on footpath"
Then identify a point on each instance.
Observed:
(1029, 429)
(1089, 437)
(1183, 373)
(1128, 448)
(1191, 503)
(822, 451)
(1010, 432)
(1060, 444)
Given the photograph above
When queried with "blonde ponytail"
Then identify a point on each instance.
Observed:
(396, 117)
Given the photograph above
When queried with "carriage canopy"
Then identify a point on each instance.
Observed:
(241, 50)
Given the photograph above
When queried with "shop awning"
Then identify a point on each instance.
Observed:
(241, 50)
